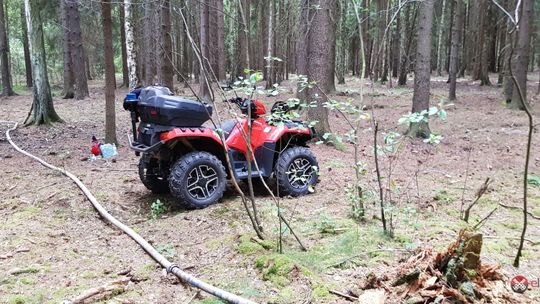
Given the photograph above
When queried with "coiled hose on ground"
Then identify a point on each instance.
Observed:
(170, 267)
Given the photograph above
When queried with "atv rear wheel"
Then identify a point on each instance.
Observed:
(150, 177)
(198, 179)
(296, 171)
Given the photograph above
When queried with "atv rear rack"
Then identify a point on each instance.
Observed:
(142, 148)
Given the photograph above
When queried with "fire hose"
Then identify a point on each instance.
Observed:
(166, 264)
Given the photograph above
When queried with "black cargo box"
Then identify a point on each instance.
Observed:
(157, 106)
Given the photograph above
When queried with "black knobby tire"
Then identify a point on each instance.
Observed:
(296, 171)
(155, 183)
(198, 179)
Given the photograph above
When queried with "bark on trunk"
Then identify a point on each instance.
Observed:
(42, 106)
(150, 43)
(204, 86)
(130, 46)
(69, 77)
(269, 44)
(439, 43)
(76, 49)
(522, 56)
(422, 69)
(321, 51)
(26, 50)
(455, 48)
(221, 73)
(167, 68)
(243, 37)
(125, 70)
(110, 81)
(7, 86)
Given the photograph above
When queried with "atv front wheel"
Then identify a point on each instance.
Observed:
(198, 179)
(150, 178)
(296, 171)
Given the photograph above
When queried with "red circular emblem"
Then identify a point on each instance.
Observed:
(519, 284)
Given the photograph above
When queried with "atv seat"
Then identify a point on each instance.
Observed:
(227, 127)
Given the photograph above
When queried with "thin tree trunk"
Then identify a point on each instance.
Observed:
(422, 69)
(7, 86)
(130, 46)
(69, 77)
(204, 87)
(269, 44)
(221, 72)
(26, 50)
(455, 48)
(125, 69)
(150, 43)
(42, 105)
(110, 81)
(439, 42)
(243, 37)
(167, 68)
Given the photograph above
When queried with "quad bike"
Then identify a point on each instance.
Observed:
(188, 159)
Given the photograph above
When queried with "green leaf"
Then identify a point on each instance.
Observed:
(533, 180)
(442, 114)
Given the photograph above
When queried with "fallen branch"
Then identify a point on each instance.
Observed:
(482, 221)
(103, 292)
(344, 295)
(479, 195)
(536, 217)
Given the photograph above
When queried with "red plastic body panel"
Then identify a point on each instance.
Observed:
(190, 132)
(261, 133)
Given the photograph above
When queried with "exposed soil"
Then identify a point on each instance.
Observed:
(53, 246)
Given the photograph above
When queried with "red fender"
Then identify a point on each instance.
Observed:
(190, 132)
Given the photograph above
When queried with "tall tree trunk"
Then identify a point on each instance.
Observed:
(342, 45)
(440, 39)
(321, 50)
(167, 68)
(221, 72)
(455, 48)
(130, 46)
(396, 49)
(26, 50)
(125, 69)
(407, 33)
(110, 81)
(243, 37)
(42, 105)
(7, 86)
(422, 68)
(204, 86)
(76, 48)
(522, 55)
(269, 44)
(69, 77)
(150, 42)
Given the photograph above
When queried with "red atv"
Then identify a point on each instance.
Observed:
(184, 157)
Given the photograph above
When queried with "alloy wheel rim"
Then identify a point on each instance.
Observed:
(300, 173)
(202, 182)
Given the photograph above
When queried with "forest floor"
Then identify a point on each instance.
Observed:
(53, 246)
